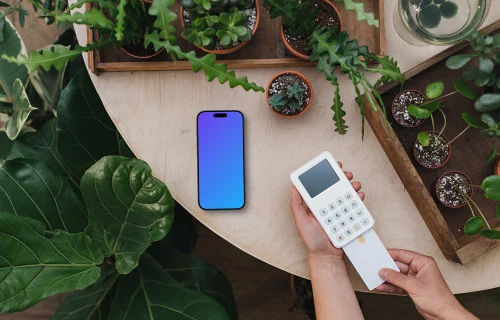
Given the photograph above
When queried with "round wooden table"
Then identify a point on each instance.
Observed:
(156, 114)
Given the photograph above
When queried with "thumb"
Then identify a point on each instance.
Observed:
(396, 278)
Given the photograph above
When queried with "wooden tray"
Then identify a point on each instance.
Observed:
(469, 154)
(265, 49)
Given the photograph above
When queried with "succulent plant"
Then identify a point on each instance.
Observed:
(291, 99)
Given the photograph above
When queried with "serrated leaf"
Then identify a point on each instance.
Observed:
(128, 208)
(92, 303)
(164, 18)
(338, 113)
(29, 188)
(12, 45)
(22, 109)
(361, 15)
(474, 122)
(473, 225)
(207, 63)
(491, 187)
(151, 292)
(94, 18)
(389, 70)
(196, 274)
(33, 267)
(120, 20)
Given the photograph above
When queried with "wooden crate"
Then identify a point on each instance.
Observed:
(265, 49)
(469, 154)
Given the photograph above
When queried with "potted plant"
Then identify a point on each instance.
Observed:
(117, 26)
(400, 106)
(219, 26)
(289, 94)
(450, 186)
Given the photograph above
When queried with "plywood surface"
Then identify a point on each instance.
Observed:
(156, 114)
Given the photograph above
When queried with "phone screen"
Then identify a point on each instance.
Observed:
(221, 167)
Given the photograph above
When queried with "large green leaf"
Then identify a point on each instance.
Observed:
(94, 18)
(29, 188)
(5, 145)
(183, 234)
(93, 303)
(128, 208)
(488, 102)
(473, 225)
(491, 187)
(22, 109)
(164, 18)
(151, 293)
(196, 274)
(474, 122)
(460, 60)
(33, 267)
(12, 45)
(361, 15)
(86, 133)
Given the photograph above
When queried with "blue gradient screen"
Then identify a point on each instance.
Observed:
(221, 172)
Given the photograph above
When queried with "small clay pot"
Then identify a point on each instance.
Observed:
(144, 57)
(233, 49)
(295, 52)
(445, 160)
(437, 190)
(393, 111)
(496, 169)
(301, 76)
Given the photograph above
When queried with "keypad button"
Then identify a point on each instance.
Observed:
(323, 212)
(337, 215)
(356, 227)
(331, 206)
(348, 196)
(365, 221)
(345, 209)
(351, 218)
(334, 229)
(339, 201)
(343, 223)
(340, 237)
(329, 220)
(353, 204)
(348, 232)
(359, 213)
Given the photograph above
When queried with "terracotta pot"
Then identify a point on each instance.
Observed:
(295, 52)
(392, 109)
(496, 169)
(445, 160)
(144, 57)
(437, 193)
(301, 76)
(233, 49)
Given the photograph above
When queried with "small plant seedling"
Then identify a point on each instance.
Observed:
(277, 101)
(295, 90)
(291, 100)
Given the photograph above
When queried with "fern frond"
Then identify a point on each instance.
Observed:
(359, 8)
(165, 17)
(120, 20)
(207, 63)
(94, 18)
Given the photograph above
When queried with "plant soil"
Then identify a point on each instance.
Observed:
(428, 156)
(447, 186)
(327, 17)
(400, 108)
(280, 85)
(136, 46)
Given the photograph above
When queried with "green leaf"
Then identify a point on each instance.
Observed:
(338, 113)
(197, 275)
(430, 106)
(485, 64)
(78, 110)
(424, 138)
(21, 18)
(488, 102)
(498, 211)
(464, 89)
(120, 20)
(3, 4)
(22, 109)
(470, 74)
(2, 25)
(5, 145)
(459, 60)
(48, 85)
(361, 15)
(434, 90)
(92, 303)
(491, 187)
(183, 234)
(150, 292)
(94, 18)
(482, 79)
(490, 233)
(418, 112)
(493, 155)
(473, 225)
(128, 208)
(474, 122)
(164, 18)
(208, 64)
(12, 45)
(29, 188)
(33, 267)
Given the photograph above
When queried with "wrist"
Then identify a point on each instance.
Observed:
(457, 311)
(325, 259)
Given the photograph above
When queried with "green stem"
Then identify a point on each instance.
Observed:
(442, 97)
(40, 7)
(475, 205)
(449, 143)
(444, 124)
(432, 120)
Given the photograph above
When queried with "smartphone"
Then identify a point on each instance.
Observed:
(221, 161)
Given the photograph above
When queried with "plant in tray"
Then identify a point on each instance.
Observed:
(289, 94)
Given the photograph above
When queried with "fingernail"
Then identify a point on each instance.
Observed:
(383, 273)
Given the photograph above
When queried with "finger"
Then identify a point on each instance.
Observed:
(405, 256)
(396, 278)
(389, 288)
(361, 195)
(356, 185)
(349, 175)
(404, 268)
(340, 164)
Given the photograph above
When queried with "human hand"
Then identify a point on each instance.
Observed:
(421, 279)
(315, 239)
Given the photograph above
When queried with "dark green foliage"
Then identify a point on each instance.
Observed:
(430, 16)
(277, 101)
(295, 90)
(298, 16)
(291, 99)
